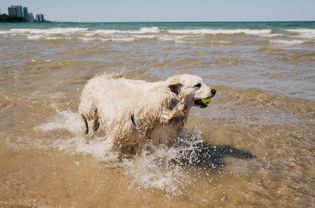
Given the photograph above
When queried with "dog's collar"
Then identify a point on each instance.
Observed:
(132, 117)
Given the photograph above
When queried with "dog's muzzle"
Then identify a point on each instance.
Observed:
(199, 103)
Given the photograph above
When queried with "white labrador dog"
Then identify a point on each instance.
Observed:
(126, 111)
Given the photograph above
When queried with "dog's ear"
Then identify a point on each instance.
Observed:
(175, 87)
(174, 110)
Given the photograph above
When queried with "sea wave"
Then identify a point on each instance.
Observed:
(287, 42)
(142, 30)
(129, 35)
(45, 37)
(4, 32)
(174, 37)
(113, 39)
(218, 31)
(270, 35)
(304, 33)
(53, 31)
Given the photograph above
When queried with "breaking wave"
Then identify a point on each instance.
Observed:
(303, 33)
(217, 31)
(287, 42)
(143, 30)
(176, 35)
(48, 31)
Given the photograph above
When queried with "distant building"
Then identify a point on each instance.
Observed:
(30, 17)
(15, 10)
(19, 11)
(25, 13)
(40, 18)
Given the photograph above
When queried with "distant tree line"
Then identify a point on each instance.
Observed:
(7, 18)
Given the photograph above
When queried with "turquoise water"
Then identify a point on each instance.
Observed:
(167, 25)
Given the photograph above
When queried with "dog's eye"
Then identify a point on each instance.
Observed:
(198, 85)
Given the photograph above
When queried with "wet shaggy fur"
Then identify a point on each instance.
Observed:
(135, 112)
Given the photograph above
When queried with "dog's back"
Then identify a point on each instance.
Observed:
(114, 95)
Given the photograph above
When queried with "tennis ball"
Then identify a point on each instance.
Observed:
(206, 100)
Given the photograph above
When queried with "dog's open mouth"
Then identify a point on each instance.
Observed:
(199, 103)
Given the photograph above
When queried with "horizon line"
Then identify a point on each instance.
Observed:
(175, 21)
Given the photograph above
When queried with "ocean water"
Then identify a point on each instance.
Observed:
(264, 73)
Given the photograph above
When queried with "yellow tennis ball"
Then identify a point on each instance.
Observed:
(206, 100)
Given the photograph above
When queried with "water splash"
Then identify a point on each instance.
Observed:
(164, 169)
(64, 120)
(157, 171)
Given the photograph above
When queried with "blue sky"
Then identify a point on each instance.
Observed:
(168, 10)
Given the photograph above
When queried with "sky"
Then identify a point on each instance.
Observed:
(168, 10)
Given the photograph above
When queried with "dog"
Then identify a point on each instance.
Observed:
(135, 112)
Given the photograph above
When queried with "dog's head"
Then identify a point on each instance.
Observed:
(190, 89)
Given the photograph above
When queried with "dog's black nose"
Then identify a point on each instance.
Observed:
(213, 91)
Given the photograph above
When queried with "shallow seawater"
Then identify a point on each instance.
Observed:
(264, 74)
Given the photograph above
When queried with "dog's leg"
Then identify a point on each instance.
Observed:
(96, 123)
(85, 127)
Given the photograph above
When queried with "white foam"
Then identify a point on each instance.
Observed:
(221, 42)
(117, 38)
(145, 36)
(64, 120)
(55, 38)
(218, 31)
(143, 30)
(113, 39)
(35, 37)
(179, 37)
(47, 34)
(156, 171)
(55, 31)
(4, 32)
(304, 33)
(271, 35)
(44, 37)
(97, 147)
(70, 121)
(287, 42)
(103, 32)
(122, 39)
(86, 39)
